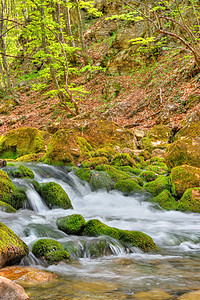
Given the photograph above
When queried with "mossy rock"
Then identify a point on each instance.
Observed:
(191, 130)
(7, 207)
(63, 148)
(101, 180)
(157, 186)
(84, 174)
(183, 151)
(12, 248)
(156, 159)
(113, 172)
(50, 250)
(94, 161)
(128, 186)
(157, 137)
(123, 159)
(35, 157)
(146, 154)
(133, 238)
(159, 168)
(55, 196)
(73, 224)
(9, 193)
(103, 133)
(22, 141)
(138, 180)
(148, 176)
(166, 200)
(190, 201)
(183, 178)
(131, 171)
(85, 147)
(21, 172)
(106, 151)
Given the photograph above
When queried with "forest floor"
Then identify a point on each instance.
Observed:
(143, 96)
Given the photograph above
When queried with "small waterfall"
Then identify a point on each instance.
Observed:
(35, 200)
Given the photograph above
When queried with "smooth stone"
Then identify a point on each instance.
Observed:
(190, 296)
(10, 290)
(155, 294)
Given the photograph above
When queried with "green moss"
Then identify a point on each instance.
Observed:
(159, 168)
(183, 151)
(183, 178)
(22, 141)
(9, 193)
(35, 157)
(157, 186)
(123, 159)
(94, 161)
(84, 174)
(146, 154)
(106, 151)
(157, 159)
(50, 250)
(138, 180)
(131, 171)
(113, 172)
(85, 147)
(134, 238)
(190, 201)
(73, 224)
(101, 180)
(7, 207)
(157, 137)
(191, 130)
(148, 176)
(12, 248)
(54, 196)
(22, 171)
(166, 200)
(128, 186)
(57, 256)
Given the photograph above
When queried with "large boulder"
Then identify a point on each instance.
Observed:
(157, 186)
(183, 151)
(9, 193)
(73, 224)
(19, 142)
(157, 137)
(12, 248)
(184, 177)
(11, 290)
(190, 201)
(55, 196)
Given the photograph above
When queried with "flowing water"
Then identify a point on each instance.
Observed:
(118, 273)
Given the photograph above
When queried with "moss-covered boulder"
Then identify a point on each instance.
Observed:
(128, 186)
(148, 176)
(133, 238)
(63, 148)
(84, 174)
(102, 133)
(158, 167)
(114, 173)
(131, 171)
(9, 193)
(55, 196)
(183, 178)
(101, 180)
(94, 161)
(73, 224)
(106, 151)
(157, 137)
(35, 157)
(183, 151)
(166, 200)
(123, 159)
(22, 141)
(191, 129)
(7, 207)
(50, 251)
(157, 186)
(85, 147)
(12, 248)
(190, 201)
(21, 172)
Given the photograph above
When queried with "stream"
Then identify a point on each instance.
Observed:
(122, 272)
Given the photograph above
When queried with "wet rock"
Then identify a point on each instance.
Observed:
(27, 275)
(11, 290)
(2, 163)
(152, 295)
(158, 153)
(190, 296)
(12, 248)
